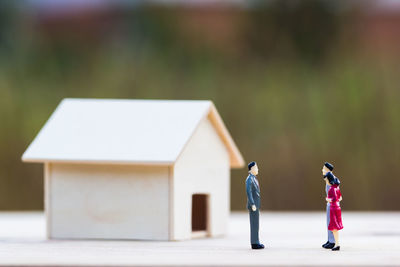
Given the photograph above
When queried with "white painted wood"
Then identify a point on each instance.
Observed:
(199, 234)
(203, 167)
(109, 202)
(171, 202)
(47, 197)
(128, 168)
(123, 132)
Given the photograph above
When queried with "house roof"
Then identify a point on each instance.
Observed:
(124, 131)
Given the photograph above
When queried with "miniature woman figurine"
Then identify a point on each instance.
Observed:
(333, 198)
(331, 240)
(253, 204)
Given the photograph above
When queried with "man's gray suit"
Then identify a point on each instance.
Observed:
(253, 198)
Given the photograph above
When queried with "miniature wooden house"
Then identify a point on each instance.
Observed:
(135, 169)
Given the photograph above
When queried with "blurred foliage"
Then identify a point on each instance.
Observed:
(293, 80)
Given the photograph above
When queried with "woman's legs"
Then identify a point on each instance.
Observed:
(336, 235)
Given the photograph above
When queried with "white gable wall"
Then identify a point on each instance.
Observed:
(108, 201)
(203, 167)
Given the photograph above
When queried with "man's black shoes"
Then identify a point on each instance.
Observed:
(328, 245)
(336, 248)
(257, 246)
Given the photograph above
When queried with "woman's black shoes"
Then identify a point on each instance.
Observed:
(336, 248)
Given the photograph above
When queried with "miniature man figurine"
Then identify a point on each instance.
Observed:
(334, 197)
(253, 204)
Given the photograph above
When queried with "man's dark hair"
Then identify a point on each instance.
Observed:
(329, 166)
(251, 164)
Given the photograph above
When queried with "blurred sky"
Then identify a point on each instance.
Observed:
(296, 82)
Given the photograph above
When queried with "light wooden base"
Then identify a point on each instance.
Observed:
(291, 239)
(199, 234)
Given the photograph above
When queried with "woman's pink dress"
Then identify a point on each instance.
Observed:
(335, 220)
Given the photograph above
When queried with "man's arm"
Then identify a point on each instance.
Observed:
(249, 191)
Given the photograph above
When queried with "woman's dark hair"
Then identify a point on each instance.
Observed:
(251, 164)
(332, 179)
(329, 166)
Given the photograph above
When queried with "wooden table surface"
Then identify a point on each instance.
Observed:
(291, 238)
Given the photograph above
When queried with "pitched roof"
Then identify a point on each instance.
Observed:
(124, 131)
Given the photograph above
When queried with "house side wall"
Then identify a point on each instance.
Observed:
(47, 198)
(109, 202)
(203, 167)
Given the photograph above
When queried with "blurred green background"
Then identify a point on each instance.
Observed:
(296, 82)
